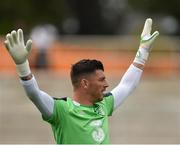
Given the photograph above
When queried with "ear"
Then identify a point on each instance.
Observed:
(84, 83)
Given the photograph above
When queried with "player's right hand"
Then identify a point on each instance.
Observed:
(19, 51)
(15, 45)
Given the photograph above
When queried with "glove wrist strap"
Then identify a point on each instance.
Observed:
(141, 56)
(23, 69)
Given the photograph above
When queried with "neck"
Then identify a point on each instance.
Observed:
(82, 98)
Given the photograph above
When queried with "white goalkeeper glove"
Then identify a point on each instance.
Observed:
(19, 51)
(145, 43)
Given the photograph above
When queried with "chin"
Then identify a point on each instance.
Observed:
(100, 98)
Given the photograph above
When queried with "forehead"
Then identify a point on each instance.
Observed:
(98, 74)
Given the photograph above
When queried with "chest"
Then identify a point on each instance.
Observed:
(86, 118)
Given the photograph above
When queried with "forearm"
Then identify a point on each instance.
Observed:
(19, 52)
(42, 100)
(127, 85)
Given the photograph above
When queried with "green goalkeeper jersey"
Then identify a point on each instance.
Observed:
(73, 123)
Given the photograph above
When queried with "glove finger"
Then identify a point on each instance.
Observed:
(14, 36)
(154, 36)
(151, 38)
(20, 36)
(10, 40)
(147, 27)
(6, 43)
(28, 45)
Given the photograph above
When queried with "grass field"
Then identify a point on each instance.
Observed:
(150, 115)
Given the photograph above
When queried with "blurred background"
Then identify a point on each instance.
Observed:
(65, 31)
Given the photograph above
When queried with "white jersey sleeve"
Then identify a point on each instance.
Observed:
(127, 84)
(43, 101)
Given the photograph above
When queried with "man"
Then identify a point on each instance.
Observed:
(82, 119)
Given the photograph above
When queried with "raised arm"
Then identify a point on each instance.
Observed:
(19, 52)
(132, 76)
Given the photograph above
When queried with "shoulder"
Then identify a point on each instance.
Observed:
(108, 99)
(109, 102)
(61, 102)
(59, 111)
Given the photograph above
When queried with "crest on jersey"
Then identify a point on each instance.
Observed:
(98, 134)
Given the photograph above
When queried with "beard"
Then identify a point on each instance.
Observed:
(99, 98)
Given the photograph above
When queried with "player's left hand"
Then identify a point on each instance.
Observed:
(146, 42)
(147, 38)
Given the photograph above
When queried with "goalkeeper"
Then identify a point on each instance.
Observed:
(82, 118)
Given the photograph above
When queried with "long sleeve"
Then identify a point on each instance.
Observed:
(127, 84)
(42, 100)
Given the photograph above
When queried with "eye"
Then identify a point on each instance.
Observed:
(102, 79)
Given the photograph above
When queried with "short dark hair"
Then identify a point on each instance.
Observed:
(83, 67)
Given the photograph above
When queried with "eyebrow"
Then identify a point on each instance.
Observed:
(102, 78)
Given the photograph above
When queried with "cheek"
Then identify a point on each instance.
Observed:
(97, 86)
(94, 88)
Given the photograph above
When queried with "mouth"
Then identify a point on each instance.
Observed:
(103, 90)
